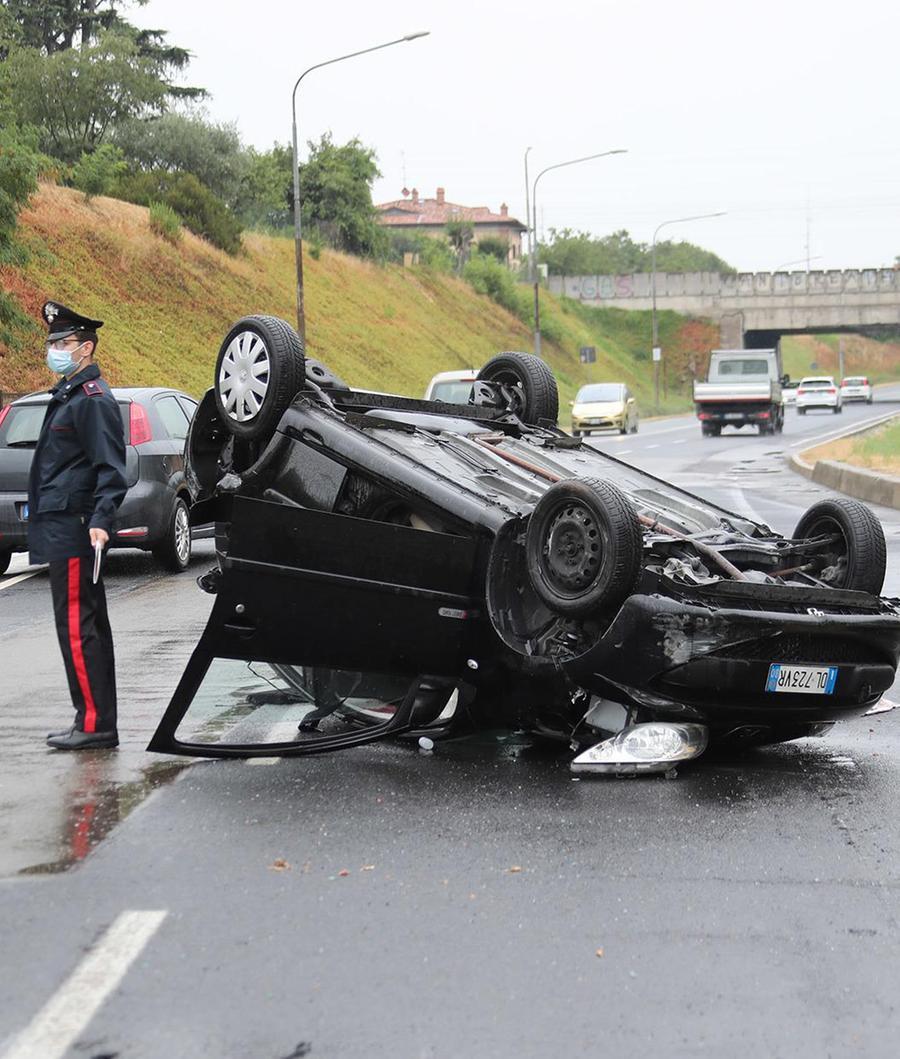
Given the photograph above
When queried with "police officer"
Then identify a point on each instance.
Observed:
(77, 481)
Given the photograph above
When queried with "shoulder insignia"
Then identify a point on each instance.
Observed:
(92, 388)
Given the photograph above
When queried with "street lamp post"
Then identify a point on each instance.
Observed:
(298, 235)
(534, 244)
(527, 214)
(657, 352)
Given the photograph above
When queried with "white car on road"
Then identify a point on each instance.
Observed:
(818, 391)
(856, 388)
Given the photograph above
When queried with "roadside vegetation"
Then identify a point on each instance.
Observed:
(877, 450)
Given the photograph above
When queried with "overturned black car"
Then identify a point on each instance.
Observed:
(391, 566)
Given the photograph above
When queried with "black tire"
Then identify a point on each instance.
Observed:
(174, 551)
(267, 346)
(836, 409)
(858, 559)
(526, 384)
(868, 400)
(634, 426)
(583, 546)
(801, 411)
(576, 433)
(5, 560)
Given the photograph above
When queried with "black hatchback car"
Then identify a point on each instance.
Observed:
(392, 565)
(155, 512)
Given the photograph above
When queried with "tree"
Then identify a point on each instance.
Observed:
(336, 196)
(460, 234)
(188, 143)
(570, 253)
(53, 26)
(76, 96)
(495, 247)
(95, 173)
(266, 195)
(20, 165)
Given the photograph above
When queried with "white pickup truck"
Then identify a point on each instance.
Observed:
(743, 387)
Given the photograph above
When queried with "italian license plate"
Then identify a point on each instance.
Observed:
(734, 415)
(802, 680)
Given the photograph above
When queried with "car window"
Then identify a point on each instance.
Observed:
(174, 419)
(603, 391)
(452, 392)
(188, 406)
(21, 425)
(756, 366)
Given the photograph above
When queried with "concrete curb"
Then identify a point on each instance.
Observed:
(871, 486)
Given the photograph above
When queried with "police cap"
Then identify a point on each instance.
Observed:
(62, 321)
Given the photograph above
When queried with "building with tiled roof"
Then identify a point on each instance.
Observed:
(431, 216)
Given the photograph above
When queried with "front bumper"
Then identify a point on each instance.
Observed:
(598, 422)
(710, 664)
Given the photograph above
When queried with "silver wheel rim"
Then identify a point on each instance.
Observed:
(244, 376)
(182, 535)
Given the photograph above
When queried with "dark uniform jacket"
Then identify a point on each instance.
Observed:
(77, 478)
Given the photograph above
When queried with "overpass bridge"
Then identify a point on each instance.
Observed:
(753, 309)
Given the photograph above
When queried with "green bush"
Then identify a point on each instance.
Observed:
(165, 222)
(199, 209)
(492, 246)
(96, 171)
(487, 276)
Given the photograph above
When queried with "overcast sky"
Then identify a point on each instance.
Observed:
(782, 112)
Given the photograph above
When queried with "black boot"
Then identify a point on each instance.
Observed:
(74, 739)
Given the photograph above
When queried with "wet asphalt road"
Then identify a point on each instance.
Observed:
(479, 901)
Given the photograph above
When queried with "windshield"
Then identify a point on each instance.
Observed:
(452, 392)
(604, 391)
(756, 366)
(21, 425)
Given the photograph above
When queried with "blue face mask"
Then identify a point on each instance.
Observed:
(60, 360)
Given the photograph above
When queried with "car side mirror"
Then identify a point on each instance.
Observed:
(785, 379)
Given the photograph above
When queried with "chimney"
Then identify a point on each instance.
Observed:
(415, 196)
(504, 210)
(440, 196)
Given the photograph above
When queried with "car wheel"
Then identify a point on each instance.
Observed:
(868, 400)
(583, 546)
(259, 370)
(526, 384)
(634, 426)
(857, 556)
(576, 433)
(801, 411)
(174, 551)
(5, 560)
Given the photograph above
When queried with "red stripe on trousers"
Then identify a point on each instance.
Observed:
(90, 710)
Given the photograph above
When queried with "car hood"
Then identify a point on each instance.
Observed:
(598, 408)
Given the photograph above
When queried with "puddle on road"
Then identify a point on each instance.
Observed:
(96, 804)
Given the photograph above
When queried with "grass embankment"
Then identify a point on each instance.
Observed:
(167, 307)
(876, 450)
(879, 360)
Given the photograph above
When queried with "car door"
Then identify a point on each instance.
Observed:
(354, 602)
(175, 424)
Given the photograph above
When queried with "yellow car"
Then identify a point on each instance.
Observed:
(601, 405)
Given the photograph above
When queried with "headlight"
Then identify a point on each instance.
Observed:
(652, 747)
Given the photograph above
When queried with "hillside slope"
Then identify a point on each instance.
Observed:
(166, 309)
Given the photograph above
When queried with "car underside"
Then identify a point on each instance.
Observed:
(391, 566)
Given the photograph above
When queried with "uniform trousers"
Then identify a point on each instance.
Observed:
(85, 639)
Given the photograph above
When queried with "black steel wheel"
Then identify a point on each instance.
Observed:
(856, 556)
(583, 546)
(526, 385)
(174, 551)
(259, 370)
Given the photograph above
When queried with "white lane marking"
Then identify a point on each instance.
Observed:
(71, 1008)
(742, 504)
(680, 441)
(10, 581)
(651, 446)
(622, 452)
(263, 760)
